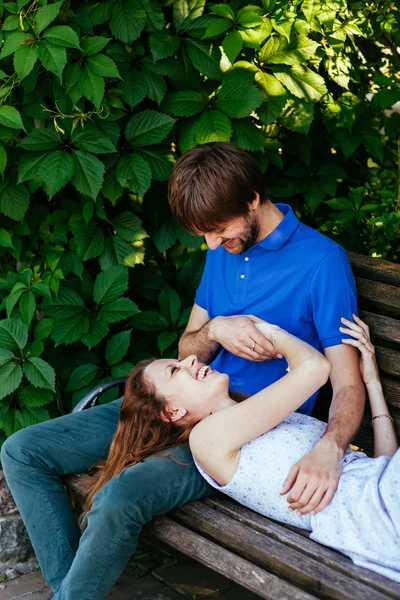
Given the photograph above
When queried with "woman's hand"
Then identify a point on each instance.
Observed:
(360, 332)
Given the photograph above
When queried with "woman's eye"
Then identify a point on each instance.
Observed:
(173, 369)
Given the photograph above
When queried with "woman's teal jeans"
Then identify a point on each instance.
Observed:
(85, 567)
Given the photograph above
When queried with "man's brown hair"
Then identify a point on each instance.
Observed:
(212, 184)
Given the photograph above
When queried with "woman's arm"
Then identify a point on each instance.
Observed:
(385, 439)
(217, 440)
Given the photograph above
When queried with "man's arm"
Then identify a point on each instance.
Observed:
(313, 480)
(237, 334)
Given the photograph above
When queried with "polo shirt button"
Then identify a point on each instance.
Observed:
(246, 258)
(242, 276)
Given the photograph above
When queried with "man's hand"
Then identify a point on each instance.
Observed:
(313, 480)
(239, 336)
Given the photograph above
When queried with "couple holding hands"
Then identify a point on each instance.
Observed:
(274, 317)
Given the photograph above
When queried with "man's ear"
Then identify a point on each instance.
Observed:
(255, 203)
(171, 416)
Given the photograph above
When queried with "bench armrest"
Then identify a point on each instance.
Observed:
(92, 397)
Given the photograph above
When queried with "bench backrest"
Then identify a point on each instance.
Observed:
(378, 287)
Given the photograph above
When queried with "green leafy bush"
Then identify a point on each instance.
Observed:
(97, 100)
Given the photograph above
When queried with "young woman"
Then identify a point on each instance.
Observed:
(246, 449)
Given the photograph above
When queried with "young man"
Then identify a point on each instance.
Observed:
(221, 324)
(263, 263)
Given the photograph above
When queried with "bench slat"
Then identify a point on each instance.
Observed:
(297, 540)
(382, 295)
(388, 360)
(255, 579)
(382, 327)
(288, 563)
(374, 268)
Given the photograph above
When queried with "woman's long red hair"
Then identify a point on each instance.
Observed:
(140, 433)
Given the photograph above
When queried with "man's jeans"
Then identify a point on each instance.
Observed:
(85, 567)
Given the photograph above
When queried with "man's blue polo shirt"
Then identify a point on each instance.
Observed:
(295, 277)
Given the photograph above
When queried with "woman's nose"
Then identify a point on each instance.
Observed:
(190, 361)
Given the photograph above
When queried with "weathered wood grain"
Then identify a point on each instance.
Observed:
(388, 360)
(264, 584)
(296, 539)
(381, 327)
(375, 269)
(288, 563)
(381, 295)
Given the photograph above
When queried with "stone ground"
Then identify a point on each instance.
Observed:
(150, 575)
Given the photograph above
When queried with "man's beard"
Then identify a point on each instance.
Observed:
(248, 237)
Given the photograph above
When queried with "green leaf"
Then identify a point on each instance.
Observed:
(10, 377)
(24, 60)
(5, 239)
(27, 307)
(11, 23)
(30, 165)
(184, 104)
(213, 126)
(165, 339)
(93, 141)
(232, 45)
(134, 173)
(92, 86)
(270, 86)
(117, 347)
(134, 87)
(205, 57)
(311, 8)
(32, 397)
(67, 306)
(39, 373)
(10, 117)
(103, 65)
(93, 45)
(249, 19)
(127, 21)
(277, 53)
(121, 370)
(90, 242)
(223, 10)
(156, 86)
(129, 227)
(170, 304)
(52, 57)
(62, 35)
(155, 15)
(13, 334)
(247, 135)
(302, 82)
(298, 116)
(160, 162)
(5, 356)
(186, 11)
(14, 201)
(111, 189)
(89, 173)
(11, 44)
(14, 296)
(238, 96)
(340, 204)
(110, 285)
(216, 27)
(57, 169)
(46, 15)
(82, 376)
(44, 328)
(374, 145)
(150, 321)
(98, 330)
(68, 332)
(3, 160)
(283, 26)
(120, 309)
(40, 139)
(163, 44)
(165, 236)
(148, 127)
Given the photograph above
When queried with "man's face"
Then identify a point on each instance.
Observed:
(235, 237)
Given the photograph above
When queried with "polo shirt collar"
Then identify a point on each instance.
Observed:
(282, 233)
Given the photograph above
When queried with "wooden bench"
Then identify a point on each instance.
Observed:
(275, 561)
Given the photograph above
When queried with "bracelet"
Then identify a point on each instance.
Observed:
(380, 416)
(273, 338)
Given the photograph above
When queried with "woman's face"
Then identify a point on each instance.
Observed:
(191, 389)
